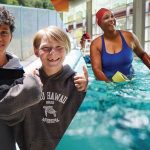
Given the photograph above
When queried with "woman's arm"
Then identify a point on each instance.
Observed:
(140, 52)
(95, 55)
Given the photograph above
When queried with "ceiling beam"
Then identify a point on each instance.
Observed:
(64, 5)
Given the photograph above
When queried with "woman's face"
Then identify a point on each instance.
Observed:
(52, 54)
(108, 21)
(5, 37)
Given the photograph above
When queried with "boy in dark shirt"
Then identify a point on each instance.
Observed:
(11, 75)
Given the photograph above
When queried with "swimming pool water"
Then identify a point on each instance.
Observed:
(113, 116)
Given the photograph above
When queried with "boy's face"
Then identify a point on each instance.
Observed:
(52, 54)
(5, 37)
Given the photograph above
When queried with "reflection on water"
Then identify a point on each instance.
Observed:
(113, 116)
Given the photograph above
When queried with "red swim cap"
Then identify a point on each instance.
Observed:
(100, 14)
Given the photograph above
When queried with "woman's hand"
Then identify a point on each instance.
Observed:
(81, 81)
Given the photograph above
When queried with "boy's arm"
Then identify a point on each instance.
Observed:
(20, 96)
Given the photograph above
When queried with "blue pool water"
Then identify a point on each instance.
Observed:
(113, 116)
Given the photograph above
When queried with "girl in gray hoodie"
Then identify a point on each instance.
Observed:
(45, 123)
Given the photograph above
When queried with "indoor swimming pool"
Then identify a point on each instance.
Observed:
(113, 116)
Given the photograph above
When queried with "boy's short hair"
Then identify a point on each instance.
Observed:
(52, 33)
(7, 18)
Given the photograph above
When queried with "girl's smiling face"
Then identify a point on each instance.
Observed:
(52, 54)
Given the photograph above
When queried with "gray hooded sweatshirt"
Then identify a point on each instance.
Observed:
(45, 123)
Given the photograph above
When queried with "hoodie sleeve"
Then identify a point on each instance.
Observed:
(20, 96)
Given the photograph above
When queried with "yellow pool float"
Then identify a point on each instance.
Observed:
(119, 77)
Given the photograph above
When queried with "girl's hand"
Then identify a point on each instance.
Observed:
(35, 74)
(81, 81)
